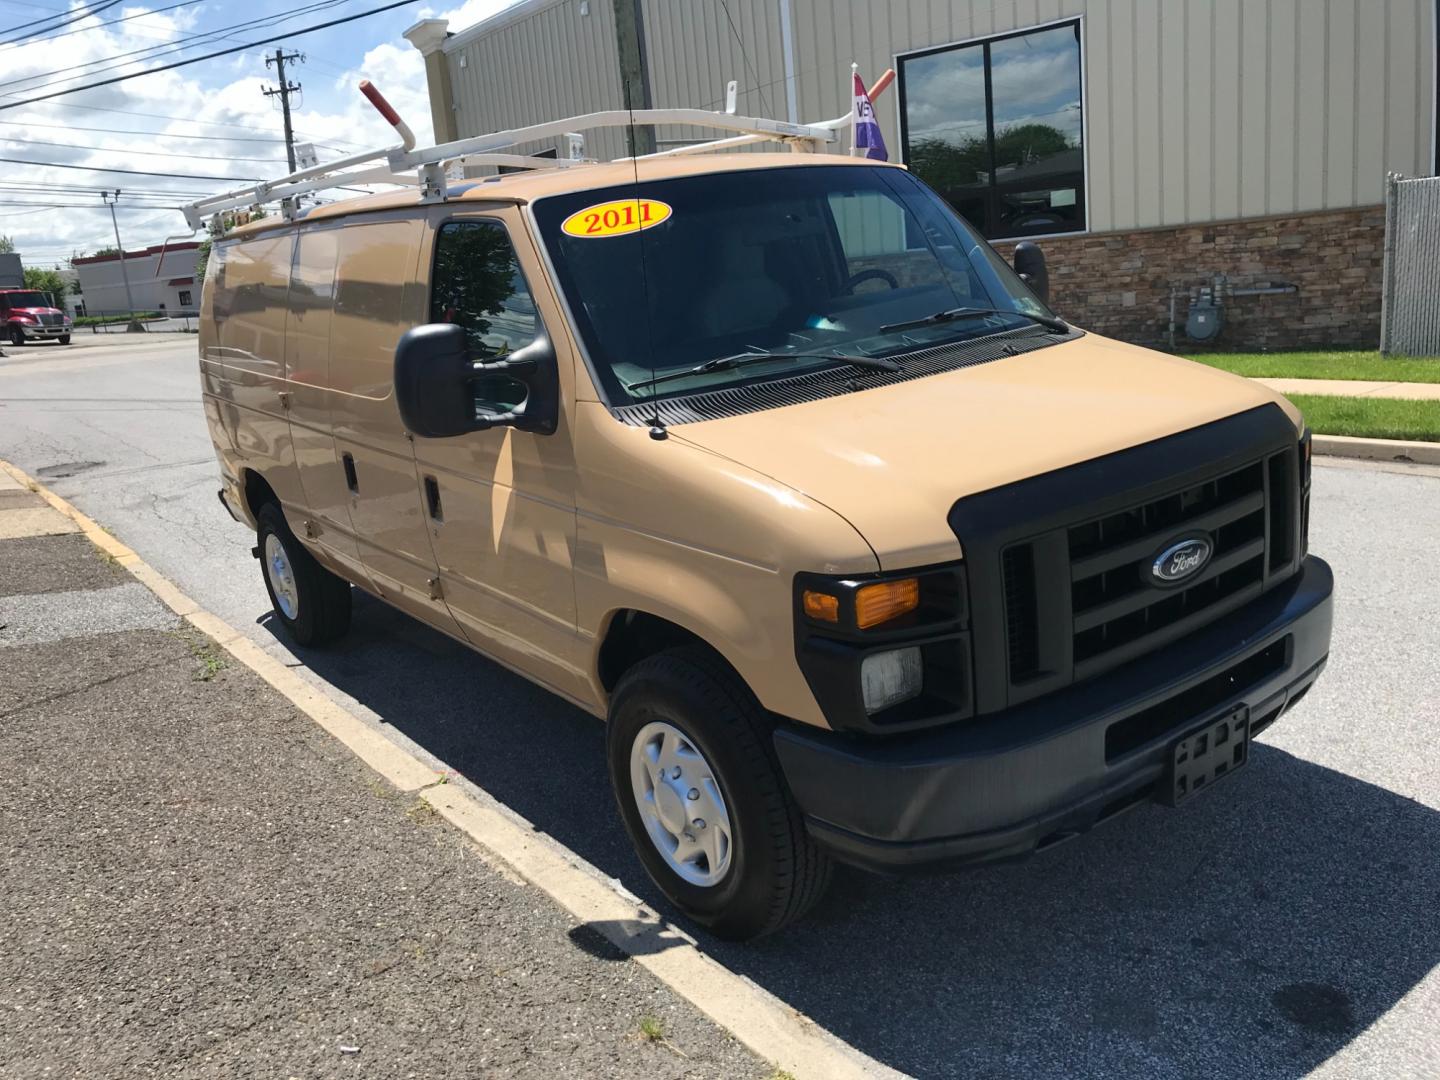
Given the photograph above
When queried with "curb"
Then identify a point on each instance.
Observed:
(1348, 446)
(767, 1026)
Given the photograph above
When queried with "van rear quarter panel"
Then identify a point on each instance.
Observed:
(249, 303)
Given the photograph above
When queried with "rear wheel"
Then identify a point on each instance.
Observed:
(703, 799)
(312, 602)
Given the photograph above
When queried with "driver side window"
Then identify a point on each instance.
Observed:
(478, 284)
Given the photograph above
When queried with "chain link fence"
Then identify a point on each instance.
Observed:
(1410, 311)
(121, 321)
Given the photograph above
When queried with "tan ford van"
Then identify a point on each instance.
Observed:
(769, 461)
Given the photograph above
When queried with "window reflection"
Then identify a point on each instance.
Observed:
(997, 128)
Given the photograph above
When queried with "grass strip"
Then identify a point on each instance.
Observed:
(1370, 417)
(1352, 364)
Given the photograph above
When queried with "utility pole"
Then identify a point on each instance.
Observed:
(284, 90)
(634, 72)
(110, 201)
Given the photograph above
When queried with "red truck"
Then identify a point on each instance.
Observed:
(29, 315)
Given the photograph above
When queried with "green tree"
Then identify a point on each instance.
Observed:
(7, 245)
(947, 165)
(109, 250)
(48, 281)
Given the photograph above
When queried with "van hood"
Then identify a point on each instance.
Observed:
(892, 461)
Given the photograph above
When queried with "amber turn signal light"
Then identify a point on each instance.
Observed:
(822, 606)
(879, 603)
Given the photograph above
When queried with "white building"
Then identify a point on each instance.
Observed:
(162, 278)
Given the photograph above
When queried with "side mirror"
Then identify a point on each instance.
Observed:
(1030, 265)
(442, 392)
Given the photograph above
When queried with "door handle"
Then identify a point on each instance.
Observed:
(432, 499)
(351, 480)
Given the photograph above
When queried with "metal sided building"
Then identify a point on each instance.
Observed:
(1173, 157)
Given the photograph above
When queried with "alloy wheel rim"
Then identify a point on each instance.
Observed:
(281, 576)
(680, 802)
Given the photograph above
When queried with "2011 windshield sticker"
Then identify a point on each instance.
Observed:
(616, 218)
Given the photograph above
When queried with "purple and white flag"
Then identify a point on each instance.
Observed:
(866, 128)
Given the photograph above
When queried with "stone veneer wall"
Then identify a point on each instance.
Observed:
(1118, 284)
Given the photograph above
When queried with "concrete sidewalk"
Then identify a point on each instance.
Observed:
(199, 881)
(1355, 388)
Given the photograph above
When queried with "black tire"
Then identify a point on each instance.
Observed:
(322, 600)
(777, 872)
(64, 339)
(17, 336)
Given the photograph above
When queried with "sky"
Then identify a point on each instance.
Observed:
(209, 119)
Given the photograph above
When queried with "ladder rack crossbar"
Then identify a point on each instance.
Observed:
(423, 166)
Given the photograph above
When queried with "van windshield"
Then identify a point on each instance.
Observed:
(797, 263)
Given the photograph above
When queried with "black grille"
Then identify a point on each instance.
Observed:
(1021, 629)
(1062, 587)
(1116, 601)
(49, 320)
(833, 382)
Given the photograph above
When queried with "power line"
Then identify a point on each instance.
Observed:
(115, 22)
(131, 172)
(73, 18)
(109, 63)
(142, 153)
(174, 119)
(208, 56)
(151, 134)
(89, 206)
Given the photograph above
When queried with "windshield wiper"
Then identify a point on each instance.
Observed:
(1059, 326)
(729, 363)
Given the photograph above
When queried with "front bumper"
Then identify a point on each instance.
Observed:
(42, 333)
(1030, 776)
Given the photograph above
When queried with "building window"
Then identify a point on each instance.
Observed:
(997, 128)
(185, 300)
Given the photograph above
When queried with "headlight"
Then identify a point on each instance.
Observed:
(889, 678)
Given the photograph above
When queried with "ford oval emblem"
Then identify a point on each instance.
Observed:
(1182, 559)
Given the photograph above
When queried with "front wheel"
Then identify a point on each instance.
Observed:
(17, 336)
(64, 339)
(312, 602)
(703, 799)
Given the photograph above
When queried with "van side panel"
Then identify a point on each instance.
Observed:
(249, 309)
(377, 298)
(307, 366)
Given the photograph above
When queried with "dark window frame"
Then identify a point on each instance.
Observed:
(985, 42)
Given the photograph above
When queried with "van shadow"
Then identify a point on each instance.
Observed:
(1254, 933)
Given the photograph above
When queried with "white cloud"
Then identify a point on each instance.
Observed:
(224, 92)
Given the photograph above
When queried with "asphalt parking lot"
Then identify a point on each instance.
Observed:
(1287, 924)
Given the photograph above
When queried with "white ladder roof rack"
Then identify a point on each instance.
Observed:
(408, 166)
